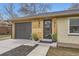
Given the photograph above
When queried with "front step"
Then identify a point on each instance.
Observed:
(46, 40)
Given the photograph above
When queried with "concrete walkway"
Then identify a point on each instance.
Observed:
(9, 44)
(40, 50)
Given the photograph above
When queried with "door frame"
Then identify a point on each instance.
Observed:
(44, 27)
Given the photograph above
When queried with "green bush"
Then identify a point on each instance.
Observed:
(54, 36)
(35, 37)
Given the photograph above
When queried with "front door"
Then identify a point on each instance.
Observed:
(47, 29)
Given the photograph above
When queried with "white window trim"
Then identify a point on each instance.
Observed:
(69, 26)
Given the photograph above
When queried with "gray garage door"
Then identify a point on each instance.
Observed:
(23, 30)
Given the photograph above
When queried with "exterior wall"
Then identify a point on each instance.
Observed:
(10, 30)
(37, 26)
(4, 30)
(62, 32)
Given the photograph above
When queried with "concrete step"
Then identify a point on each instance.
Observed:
(46, 40)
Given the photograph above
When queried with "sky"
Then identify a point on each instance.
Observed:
(54, 7)
(60, 6)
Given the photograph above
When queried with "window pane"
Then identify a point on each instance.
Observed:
(47, 24)
(74, 22)
(74, 26)
(74, 29)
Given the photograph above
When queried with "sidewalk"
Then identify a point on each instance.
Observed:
(40, 50)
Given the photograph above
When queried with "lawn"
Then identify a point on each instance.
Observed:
(3, 37)
(62, 51)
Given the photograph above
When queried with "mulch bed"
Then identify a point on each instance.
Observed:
(63, 51)
(22, 50)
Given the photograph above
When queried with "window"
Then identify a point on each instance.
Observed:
(74, 26)
(47, 24)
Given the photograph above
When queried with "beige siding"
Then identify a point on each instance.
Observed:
(62, 29)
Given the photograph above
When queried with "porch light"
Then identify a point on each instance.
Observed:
(39, 24)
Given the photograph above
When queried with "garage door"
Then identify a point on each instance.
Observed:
(23, 30)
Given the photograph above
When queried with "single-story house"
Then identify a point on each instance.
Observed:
(64, 23)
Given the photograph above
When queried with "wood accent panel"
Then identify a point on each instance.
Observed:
(54, 25)
(38, 27)
(13, 30)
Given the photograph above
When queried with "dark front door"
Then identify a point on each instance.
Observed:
(23, 30)
(47, 28)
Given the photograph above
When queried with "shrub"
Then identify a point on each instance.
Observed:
(35, 37)
(54, 36)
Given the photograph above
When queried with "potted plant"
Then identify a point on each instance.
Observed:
(35, 36)
(54, 37)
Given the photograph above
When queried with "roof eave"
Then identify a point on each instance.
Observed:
(45, 16)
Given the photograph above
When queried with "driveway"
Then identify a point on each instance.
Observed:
(9, 44)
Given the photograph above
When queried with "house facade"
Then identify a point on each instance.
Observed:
(64, 23)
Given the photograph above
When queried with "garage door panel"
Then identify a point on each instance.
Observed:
(23, 30)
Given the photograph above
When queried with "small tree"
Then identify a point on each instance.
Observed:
(9, 11)
(33, 8)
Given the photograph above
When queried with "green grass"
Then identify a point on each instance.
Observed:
(62, 51)
(4, 37)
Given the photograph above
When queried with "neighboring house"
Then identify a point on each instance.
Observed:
(5, 27)
(64, 23)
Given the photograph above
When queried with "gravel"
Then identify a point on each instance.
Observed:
(63, 51)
